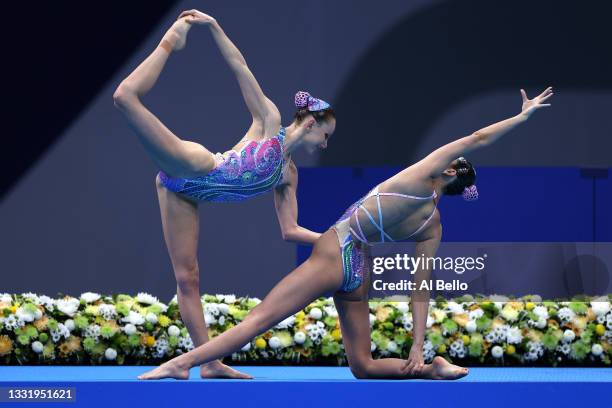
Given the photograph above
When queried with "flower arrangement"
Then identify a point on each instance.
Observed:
(121, 329)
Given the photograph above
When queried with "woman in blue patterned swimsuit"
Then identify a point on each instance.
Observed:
(401, 207)
(189, 173)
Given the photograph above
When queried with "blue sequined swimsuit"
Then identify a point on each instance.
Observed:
(238, 176)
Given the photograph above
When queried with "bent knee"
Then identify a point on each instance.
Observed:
(362, 368)
(124, 96)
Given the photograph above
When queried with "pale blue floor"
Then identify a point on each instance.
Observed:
(295, 374)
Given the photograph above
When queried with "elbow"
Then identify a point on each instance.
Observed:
(289, 234)
(123, 96)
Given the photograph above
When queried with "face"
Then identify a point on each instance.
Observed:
(317, 134)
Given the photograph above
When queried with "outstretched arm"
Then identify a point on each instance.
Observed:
(285, 202)
(441, 158)
(259, 105)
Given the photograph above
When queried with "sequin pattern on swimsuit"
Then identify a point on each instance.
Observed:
(256, 169)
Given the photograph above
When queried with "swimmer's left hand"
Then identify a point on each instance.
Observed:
(414, 364)
(197, 17)
(531, 105)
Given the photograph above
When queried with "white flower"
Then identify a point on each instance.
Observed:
(476, 313)
(569, 336)
(223, 308)
(299, 337)
(596, 349)
(600, 307)
(129, 329)
(62, 330)
(134, 317)
(174, 331)
(229, 298)
(470, 326)
(31, 296)
(455, 307)
(372, 346)
(110, 354)
(25, 315)
(255, 300)
(90, 297)
(221, 320)
(68, 306)
(146, 298)
(497, 351)
(69, 324)
(458, 349)
(331, 311)
(316, 313)
(151, 318)
(541, 323)
(288, 322)
(174, 299)
(566, 314)
(402, 306)
(92, 331)
(372, 319)
(246, 347)
(212, 308)
(6, 298)
(209, 319)
(37, 346)
(274, 342)
(162, 307)
(392, 346)
(47, 302)
(514, 335)
(430, 321)
(406, 320)
(12, 323)
(37, 314)
(108, 312)
(541, 312)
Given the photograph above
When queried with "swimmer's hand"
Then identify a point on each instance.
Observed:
(414, 364)
(194, 16)
(531, 105)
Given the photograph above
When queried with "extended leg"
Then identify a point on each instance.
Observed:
(180, 223)
(177, 157)
(318, 275)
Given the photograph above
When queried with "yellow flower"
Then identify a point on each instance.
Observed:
(529, 305)
(6, 345)
(336, 335)
(13, 309)
(163, 320)
(442, 348)
(600, 329)
(260, 343)
(466, 339)
(147, 340)
(461, 319)
(510, 349)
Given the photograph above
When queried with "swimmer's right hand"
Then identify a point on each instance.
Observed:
(194, 16)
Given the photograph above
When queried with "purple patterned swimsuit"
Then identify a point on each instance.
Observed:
(353, 255)
(238, 176)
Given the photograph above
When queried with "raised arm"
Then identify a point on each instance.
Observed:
(259, 105)
(285, 202)
(440, 159)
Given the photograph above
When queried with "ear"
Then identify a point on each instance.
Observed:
(309, 123)
(450, 172)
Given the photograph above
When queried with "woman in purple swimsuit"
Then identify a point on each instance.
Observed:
(401, 207)
(189, 173)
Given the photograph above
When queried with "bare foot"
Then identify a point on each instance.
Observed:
(167, 370)
(176, 36)
(443, 370)
(217, 369)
